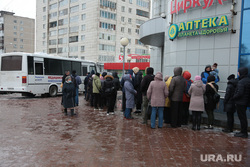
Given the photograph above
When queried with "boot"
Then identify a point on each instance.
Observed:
(65, 112)
(72, 112)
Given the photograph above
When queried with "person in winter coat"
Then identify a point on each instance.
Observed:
(157, 93)
(130, 93)
(242, 100)
(110, 93)
(211, 103)
(117, 85)
(138, 79)
(67, 73)
(130, 72)
(149, 77)
(206, 73)
(90, 96)
(89, 87)
(77, 81)
(167, 109)
(68, 96)
(96, 91)
(196, 92)
(229, 105)
(85, 82)
(177, 88)
(103, 98)
(186, 98)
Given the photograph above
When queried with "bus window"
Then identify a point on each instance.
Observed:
(11, 63)
(66, 66)
(39, 68)
(84, 70)
(92, 68)
(53, 67)
(30, 65)
(77, 66)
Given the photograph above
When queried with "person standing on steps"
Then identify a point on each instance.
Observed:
(196, 92)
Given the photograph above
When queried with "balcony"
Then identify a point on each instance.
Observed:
(152, 32)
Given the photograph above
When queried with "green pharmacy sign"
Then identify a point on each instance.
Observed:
(199, 27)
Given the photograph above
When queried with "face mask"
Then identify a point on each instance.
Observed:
(69, 81)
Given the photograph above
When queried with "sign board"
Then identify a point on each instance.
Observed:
(199, 27)
(187, 4)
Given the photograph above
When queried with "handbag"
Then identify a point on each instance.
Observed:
(149, 111)
(216, 96)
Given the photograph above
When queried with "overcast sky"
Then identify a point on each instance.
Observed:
(25, 8)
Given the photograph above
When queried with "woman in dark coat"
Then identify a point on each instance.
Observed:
(110, 93)
(68, 95)
(211, 104)
(229, 105)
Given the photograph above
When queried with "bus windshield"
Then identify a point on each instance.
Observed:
(11, 63)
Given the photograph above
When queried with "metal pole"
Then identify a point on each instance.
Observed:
(123, 72)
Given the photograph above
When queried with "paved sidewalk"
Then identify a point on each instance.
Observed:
(34, 132)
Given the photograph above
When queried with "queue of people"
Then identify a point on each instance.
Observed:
(169, 98)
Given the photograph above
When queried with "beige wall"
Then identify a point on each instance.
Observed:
(24, 37)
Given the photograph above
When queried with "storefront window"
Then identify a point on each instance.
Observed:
(245, 43)
(245, 36)
(247, 4)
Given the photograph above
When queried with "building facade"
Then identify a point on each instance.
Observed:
(195, 33)
(90, 29)
(17, 34)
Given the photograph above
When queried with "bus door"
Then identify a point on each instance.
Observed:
(39, 70)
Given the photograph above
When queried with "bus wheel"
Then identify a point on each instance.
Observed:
(53, 91)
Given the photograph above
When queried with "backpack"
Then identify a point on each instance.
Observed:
(216, 96)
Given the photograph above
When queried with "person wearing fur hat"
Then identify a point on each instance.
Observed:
(210, 106)
(137, 84)
(229, 105)
(157, 93)
(186, 98)
(110, 93)
(196, 92)
(242, 100)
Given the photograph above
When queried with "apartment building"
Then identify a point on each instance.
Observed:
(17, 34)
(90, 29)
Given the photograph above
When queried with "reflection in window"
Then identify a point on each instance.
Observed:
(245, 62)
(245, 42)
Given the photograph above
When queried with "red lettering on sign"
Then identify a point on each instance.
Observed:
(196, 2)
(185, 5)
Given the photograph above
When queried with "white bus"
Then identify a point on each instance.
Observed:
(37, 74)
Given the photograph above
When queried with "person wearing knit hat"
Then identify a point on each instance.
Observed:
(229, 105)
(211, 104)
(196, 91)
